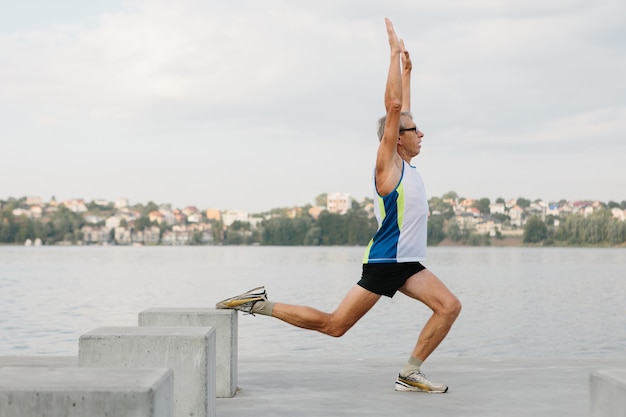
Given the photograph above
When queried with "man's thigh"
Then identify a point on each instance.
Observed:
(355, 304)
(427, 288)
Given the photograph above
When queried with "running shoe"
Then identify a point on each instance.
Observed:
(244, 302)
(417, 381)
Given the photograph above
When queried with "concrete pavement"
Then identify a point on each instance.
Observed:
(308, 387)
(350, 387)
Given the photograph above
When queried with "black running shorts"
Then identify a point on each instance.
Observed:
(386, 279)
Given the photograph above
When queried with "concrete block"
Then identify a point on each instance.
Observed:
(608, 393)
(188, 351)
(225, 324)
(79, 392)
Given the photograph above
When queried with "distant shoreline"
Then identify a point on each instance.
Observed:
(504, 242)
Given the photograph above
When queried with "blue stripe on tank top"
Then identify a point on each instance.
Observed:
(385, 246)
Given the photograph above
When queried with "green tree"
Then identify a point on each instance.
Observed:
(321, 199)
(196, 238)
(284, 231)
(569, 230)
(523, 202)
(502, 217)
(474, 239)
(435, 230)
(482, 205)
(151, 206)
(551, 220)
(313, 237)
(217, 230)
(234, 237)
(359, 228)
(613, 204)
(240, 226)
(333, 231)
(596, 227)
(454, 232)
(107, 210)
(438, 205)
(366, 201)
(616, 232)
(240, 233)
(143, 222)
(450, 195)
(24, 229)
(65, 225)
(535, 230)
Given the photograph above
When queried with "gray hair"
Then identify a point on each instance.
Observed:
(381, 123)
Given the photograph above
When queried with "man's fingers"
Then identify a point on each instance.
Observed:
(393, 39)
(403, 49)
(389, 24)
(406, 59)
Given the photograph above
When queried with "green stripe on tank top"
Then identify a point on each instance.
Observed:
(400, 201)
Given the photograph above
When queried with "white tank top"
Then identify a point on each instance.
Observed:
(402, 221)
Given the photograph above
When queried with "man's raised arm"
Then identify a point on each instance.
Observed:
(388, 164)
(407, 66)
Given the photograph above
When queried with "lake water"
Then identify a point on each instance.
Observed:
(517, 302)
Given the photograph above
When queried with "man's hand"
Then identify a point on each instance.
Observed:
(394, 44)
(407, 65)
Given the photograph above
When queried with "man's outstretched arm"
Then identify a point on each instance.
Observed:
(388, 162)
(407, 66)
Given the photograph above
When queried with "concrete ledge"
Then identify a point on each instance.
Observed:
(188, 351)
(76, 392)
(225, 324)
(608, 393)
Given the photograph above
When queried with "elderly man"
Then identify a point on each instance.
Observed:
(392, 260)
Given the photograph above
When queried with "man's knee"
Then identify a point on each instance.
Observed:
(337, 328)
(337, 331)
(452, 307)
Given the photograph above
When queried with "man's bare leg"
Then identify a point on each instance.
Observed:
(427, 288)
(355, 304)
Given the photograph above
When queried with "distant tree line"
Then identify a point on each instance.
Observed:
(598, 229)
(354, 228)
(61, 226)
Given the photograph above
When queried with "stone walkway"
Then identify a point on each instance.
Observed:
(349, 387)
(306, 387)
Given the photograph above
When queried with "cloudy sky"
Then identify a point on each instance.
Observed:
(253, 105)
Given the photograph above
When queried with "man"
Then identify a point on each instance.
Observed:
(392, 261)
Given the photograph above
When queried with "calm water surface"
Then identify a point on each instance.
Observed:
(528, 302)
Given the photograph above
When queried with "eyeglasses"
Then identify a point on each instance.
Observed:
(414, 129)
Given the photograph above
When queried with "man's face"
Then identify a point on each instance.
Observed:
(411, 137)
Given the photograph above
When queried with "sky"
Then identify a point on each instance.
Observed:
(248, 105)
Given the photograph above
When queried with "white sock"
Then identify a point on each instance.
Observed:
(413, 365)
(263, 308)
